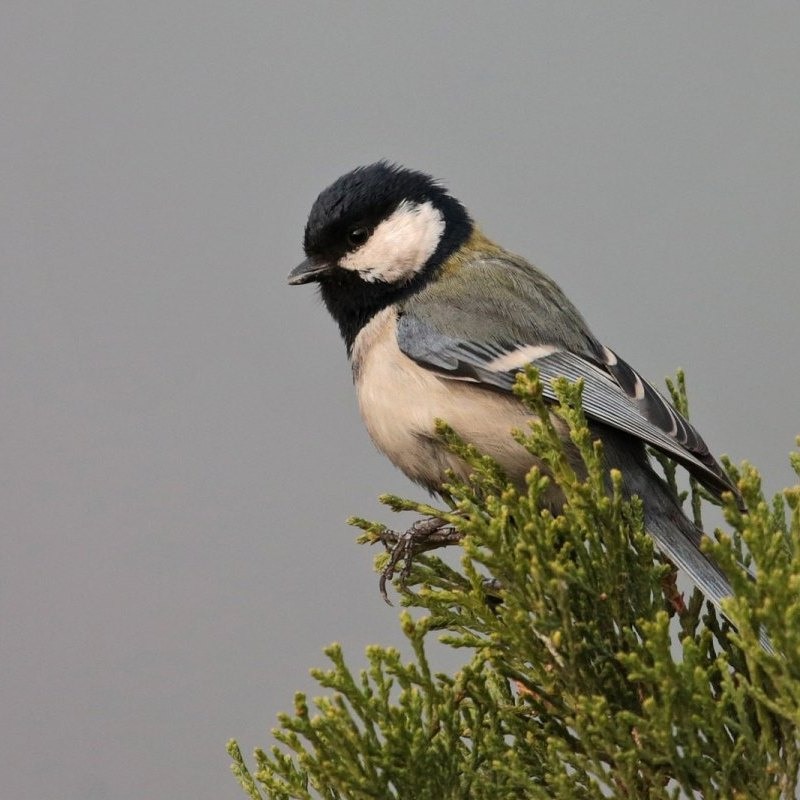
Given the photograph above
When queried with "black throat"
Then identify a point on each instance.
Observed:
(353, 302)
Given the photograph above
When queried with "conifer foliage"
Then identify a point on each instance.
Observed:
(586, 674)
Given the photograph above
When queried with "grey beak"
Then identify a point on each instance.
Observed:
(307, 271)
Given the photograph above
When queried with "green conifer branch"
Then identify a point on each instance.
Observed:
(584, 675)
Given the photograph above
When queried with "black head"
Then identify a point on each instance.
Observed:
(375, 235)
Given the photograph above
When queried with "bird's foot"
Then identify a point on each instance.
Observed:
(425, 534)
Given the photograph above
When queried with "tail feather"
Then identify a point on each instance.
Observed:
(678, 538)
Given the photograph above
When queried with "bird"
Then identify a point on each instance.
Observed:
(438, 320)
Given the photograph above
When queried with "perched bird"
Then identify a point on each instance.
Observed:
(437, 320)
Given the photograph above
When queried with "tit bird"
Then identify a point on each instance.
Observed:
(437, 320)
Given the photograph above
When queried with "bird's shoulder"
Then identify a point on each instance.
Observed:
(485, 293)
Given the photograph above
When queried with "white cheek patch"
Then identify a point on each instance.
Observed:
(519, 358)
(400, 246)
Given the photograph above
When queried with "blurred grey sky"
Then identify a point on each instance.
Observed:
(180, 440)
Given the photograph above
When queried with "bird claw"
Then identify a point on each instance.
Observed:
(425, 534)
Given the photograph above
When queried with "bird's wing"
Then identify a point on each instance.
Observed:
(613, 393)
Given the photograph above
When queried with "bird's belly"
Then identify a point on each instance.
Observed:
(400, 402)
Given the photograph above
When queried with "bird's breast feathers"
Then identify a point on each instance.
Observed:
(400, 402)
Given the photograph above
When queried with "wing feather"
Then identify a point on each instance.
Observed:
(613, 393)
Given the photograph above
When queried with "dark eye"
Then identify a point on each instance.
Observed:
(357, 236)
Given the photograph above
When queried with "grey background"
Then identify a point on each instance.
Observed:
(180, 443)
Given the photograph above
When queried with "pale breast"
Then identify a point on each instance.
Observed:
(401, 401)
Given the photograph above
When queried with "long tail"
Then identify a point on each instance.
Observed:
(678, 538)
